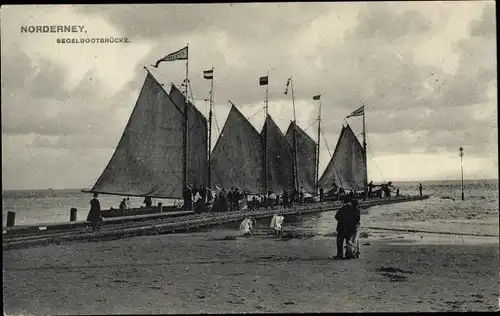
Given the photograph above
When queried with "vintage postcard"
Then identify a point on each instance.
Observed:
(249, 158)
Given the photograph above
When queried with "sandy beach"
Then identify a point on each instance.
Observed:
(211, 273)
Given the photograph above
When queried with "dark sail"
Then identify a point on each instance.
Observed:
(306, 158)
(148, 159)
(279, 159)
(197, 140)
(237, 155)
(347, 168)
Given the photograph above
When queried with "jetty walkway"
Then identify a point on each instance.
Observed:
(142, 225)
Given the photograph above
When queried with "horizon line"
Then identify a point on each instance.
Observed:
(394, 181)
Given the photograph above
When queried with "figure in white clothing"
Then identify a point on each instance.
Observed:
(276, 223)
(246, 226)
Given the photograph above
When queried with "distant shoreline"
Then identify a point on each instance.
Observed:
(393, 181)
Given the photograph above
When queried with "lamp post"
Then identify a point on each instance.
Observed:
(462, 168)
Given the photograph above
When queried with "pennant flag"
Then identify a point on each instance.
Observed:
(208, 74)
(263, 81)
(317, 97)
(178, 55)
(287, 84)
(358, 112)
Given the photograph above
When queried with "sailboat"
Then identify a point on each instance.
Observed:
(162, 149)
(347, 166)
(237, 155)
(306, 149)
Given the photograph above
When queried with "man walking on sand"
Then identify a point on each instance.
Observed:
(342, 217)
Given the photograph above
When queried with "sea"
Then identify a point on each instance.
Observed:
(444, 212)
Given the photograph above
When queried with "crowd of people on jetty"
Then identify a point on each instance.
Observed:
(202, 199)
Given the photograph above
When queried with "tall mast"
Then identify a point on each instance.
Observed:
(185, 134)
(295, 164)
(210, 131)
(265, 137)
(364, 153)
(318, 145)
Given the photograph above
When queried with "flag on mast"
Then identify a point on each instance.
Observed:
(264, 81)
(181, 54)
(358, 112)
(317, 97)
(288, 84)
(208, 74)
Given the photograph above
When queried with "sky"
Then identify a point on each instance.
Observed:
(425, 71)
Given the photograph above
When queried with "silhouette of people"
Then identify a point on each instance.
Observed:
(236, 199)
(95, 216)
(342, 217)
(148, 201)
(370, 189)
(352, 230)
(188, 198)
(420, 188)
(123, 206)
(285, 198)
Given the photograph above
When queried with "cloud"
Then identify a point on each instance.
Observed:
(425, 71)
(486, 25)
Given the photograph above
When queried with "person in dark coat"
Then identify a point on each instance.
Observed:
(285, 198)
(95, 216)
(148, 201)
(420, 188)
(353, 220)
(370, 190)
(203, 193)
(123, 207)
(236, 199)
(342, 217)
(230, 198)
(321, 193)
(188, 198)
(223, 203)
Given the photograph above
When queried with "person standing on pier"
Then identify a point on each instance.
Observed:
(148, 201)
(370, 189)
(203, 193)
(285, 198)
(188, 198)
(236, 199)
(230, 198)
(123, 207)
(94, 216)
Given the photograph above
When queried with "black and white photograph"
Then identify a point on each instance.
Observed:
(250, 157)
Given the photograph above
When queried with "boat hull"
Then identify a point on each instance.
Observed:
(138, 211)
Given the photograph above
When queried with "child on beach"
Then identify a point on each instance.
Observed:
(276, 223)
(247, 226)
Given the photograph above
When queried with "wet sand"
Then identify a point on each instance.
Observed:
(205, 272)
